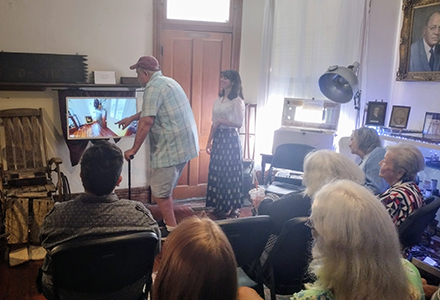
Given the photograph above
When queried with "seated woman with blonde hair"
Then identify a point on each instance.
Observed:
(197, 263)
(356, 250)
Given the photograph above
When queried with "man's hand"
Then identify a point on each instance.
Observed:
(129, 154)
(124, 122)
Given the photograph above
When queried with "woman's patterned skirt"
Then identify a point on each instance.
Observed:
(225, 181)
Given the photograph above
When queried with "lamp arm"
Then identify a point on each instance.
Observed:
(357, 106)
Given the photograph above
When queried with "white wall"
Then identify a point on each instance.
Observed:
(382, 65)
(112, 33)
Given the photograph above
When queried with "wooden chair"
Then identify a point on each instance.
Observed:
(26, 187)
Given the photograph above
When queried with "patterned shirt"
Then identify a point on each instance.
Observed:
(89, 216)
(412, 274)
(173, 135)
(401, 200)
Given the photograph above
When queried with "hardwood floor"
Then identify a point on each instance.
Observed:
(18, 283)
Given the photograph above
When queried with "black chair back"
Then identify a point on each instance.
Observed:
(291, 156)
(247, 236)
(104, 265)
(412, 228)
(285, 268)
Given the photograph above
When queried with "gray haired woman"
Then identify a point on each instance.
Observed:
(366, 144)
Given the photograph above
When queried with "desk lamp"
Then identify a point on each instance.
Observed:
(341, 84)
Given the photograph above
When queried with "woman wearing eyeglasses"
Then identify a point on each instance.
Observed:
(399, 168)
(356, 250)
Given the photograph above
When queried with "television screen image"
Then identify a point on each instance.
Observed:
(95, 118)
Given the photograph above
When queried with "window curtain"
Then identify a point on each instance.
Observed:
(301, 39)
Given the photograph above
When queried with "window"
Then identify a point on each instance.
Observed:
(198, 10)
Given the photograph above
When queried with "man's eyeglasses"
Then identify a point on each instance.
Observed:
(309, 223)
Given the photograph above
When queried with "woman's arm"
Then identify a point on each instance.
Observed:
(210, 138)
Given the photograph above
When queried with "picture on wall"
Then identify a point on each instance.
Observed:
(399, 116)
(431, 126)
(419, 47)
(376, 113)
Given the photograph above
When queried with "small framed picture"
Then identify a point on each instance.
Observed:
(376, 113)
(431, 126)
(399, 116)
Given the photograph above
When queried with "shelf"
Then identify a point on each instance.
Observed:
(416, 141)
(38, 87)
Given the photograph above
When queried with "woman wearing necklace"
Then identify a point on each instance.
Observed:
(224, 190)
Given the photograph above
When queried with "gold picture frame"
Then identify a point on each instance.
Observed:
(414, 65)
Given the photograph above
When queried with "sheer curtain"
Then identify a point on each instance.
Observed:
(301, 39)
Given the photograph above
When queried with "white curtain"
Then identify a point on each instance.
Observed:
(301, 39)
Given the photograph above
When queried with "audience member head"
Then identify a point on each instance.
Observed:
(402, 162)
(363, 141)
(236, 89)
(356, 248)
(197, 263)
(101, 167)
(145, 67)
(323, 166)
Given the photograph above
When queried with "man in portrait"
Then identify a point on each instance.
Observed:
(425, 53)
(376, 115)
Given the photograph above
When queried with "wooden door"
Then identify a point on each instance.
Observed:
(195, 60)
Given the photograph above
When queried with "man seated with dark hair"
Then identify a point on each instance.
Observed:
(95, 213)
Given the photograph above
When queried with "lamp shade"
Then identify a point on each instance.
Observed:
(340, 84)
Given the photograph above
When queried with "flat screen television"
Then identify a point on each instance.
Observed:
(95, 118)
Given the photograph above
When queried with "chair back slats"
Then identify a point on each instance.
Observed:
(24, 139)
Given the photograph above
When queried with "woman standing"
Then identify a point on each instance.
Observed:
(224, 191)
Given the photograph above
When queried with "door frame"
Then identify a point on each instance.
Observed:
(160, 22)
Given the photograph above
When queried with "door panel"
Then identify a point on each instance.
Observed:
(195, 60)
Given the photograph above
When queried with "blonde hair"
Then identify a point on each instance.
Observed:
(197, 263)
(356, 253)
(323, 166)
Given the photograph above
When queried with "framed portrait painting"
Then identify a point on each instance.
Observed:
(419, 48)
(399, 116)
(376, 113)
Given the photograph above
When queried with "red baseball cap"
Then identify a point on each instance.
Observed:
(149, 63)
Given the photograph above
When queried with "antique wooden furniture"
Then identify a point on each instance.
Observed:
(26, 187)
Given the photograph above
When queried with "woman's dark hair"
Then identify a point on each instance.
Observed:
(236, 89)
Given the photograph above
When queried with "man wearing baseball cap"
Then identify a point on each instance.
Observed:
(168, 120)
